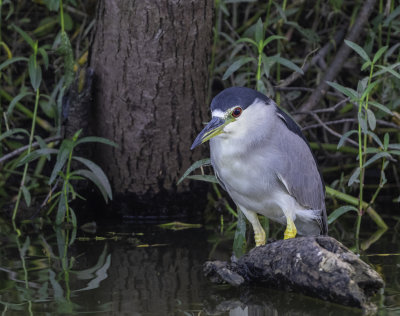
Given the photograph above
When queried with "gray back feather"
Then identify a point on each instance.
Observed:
(298, 168)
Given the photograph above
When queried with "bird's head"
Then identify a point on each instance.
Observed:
(233, 110)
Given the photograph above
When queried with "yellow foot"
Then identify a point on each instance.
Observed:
(259, 238)
(290, 231)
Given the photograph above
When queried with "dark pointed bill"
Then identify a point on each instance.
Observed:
(212, 129)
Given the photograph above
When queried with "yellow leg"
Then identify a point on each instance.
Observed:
(259, 233)
(291, 230)
(259, 237)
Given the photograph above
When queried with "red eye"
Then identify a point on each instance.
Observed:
(237, 111)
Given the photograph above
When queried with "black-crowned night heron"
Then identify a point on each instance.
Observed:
(263, 161)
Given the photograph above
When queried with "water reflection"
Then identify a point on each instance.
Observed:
(257, 301)
(39, 275)
(147, 272)
(158, 280)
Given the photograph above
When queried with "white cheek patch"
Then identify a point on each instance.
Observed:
(218, 113)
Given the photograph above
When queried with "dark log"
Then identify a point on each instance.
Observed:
(315, 266)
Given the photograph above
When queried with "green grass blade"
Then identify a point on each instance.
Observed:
(339, 212)
(61, 209)
(344, 137)
(12, 132)
(37, 154)
(24, 35)
(287, 63)
(95, 139)
(99, 173)
(351, 93)
(12, 60)
(358, 49)
(63, 154)
(239, 243)
(194, 166)
(236, 65)
(205, 177)
(376, 157)
(17, 98)
(27, 195)
(92, 177)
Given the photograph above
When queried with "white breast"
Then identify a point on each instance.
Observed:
(241, 162)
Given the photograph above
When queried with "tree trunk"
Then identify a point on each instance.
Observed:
(150, 58)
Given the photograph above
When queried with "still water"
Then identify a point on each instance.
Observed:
(146, 270)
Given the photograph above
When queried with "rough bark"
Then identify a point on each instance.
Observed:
(316, 266)
(150, 59)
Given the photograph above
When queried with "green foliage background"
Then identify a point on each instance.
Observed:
(282, 48)
(285, 49)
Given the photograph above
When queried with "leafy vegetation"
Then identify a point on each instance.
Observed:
(64, 159)
(288, 50)
(36, 72)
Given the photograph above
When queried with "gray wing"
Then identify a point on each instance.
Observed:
(301, 179)
(297, 170)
